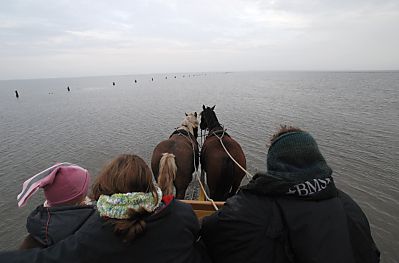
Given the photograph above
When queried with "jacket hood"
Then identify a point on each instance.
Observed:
(299, 186)
(49, 225)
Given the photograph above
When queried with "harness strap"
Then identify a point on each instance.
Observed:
(249, 176)
(180, 132)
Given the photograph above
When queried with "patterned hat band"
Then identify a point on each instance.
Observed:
(117, 205)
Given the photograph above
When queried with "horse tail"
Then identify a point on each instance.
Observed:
(167, 173)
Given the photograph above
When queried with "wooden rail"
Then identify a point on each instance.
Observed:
(202, 208)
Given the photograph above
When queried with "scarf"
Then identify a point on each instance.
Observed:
(117, 205)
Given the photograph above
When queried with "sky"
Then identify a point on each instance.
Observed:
(68, 38)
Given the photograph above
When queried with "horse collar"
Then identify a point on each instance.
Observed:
(184, 133)
(181, 132)
(217, 131)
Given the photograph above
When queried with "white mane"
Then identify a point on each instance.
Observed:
(190, 122)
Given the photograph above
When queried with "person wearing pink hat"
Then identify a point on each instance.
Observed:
(65, 187)
(135, 221)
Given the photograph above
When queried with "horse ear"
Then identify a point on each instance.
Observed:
(195, 114)
(203, 106)
(213, 107)
(186, 113)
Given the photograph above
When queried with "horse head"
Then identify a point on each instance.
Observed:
(191, 122)
(208, 118)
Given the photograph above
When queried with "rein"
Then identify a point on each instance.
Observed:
(247, 174)
(199, 179)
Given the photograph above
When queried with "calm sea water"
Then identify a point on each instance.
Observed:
(353, 116)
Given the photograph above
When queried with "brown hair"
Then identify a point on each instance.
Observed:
(282, 130)
(124, 174)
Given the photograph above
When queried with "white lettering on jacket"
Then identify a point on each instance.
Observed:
(309, 187)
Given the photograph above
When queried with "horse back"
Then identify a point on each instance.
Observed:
(183, 149)
(223, 175)
(212, 149)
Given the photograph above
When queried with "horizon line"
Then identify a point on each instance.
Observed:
(202, 72)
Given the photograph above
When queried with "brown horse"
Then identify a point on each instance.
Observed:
(177, 157)
(223, 175)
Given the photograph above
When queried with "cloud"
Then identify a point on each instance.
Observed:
(190, 32)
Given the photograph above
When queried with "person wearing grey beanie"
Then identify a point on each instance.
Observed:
(293, 212)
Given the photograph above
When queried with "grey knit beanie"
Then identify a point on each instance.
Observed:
(296, 154)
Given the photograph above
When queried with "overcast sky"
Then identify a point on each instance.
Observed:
(60, 38)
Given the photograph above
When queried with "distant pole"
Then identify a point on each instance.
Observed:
(166, 77)
(113, 83)
(135, 81)
(68, 89)
(16, 94)
(152, 79)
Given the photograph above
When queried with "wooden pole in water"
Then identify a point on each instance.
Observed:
(16, 94)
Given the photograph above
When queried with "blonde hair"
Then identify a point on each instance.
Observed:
(167, 173)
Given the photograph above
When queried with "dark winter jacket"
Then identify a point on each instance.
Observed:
(171, 236)
(289, 219)
(48, 225)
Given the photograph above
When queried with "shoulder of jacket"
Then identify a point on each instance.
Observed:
(352, 210)
(180, 207)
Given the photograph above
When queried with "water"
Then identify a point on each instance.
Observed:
(353, 116)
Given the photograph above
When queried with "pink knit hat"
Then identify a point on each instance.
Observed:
(62, 183)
